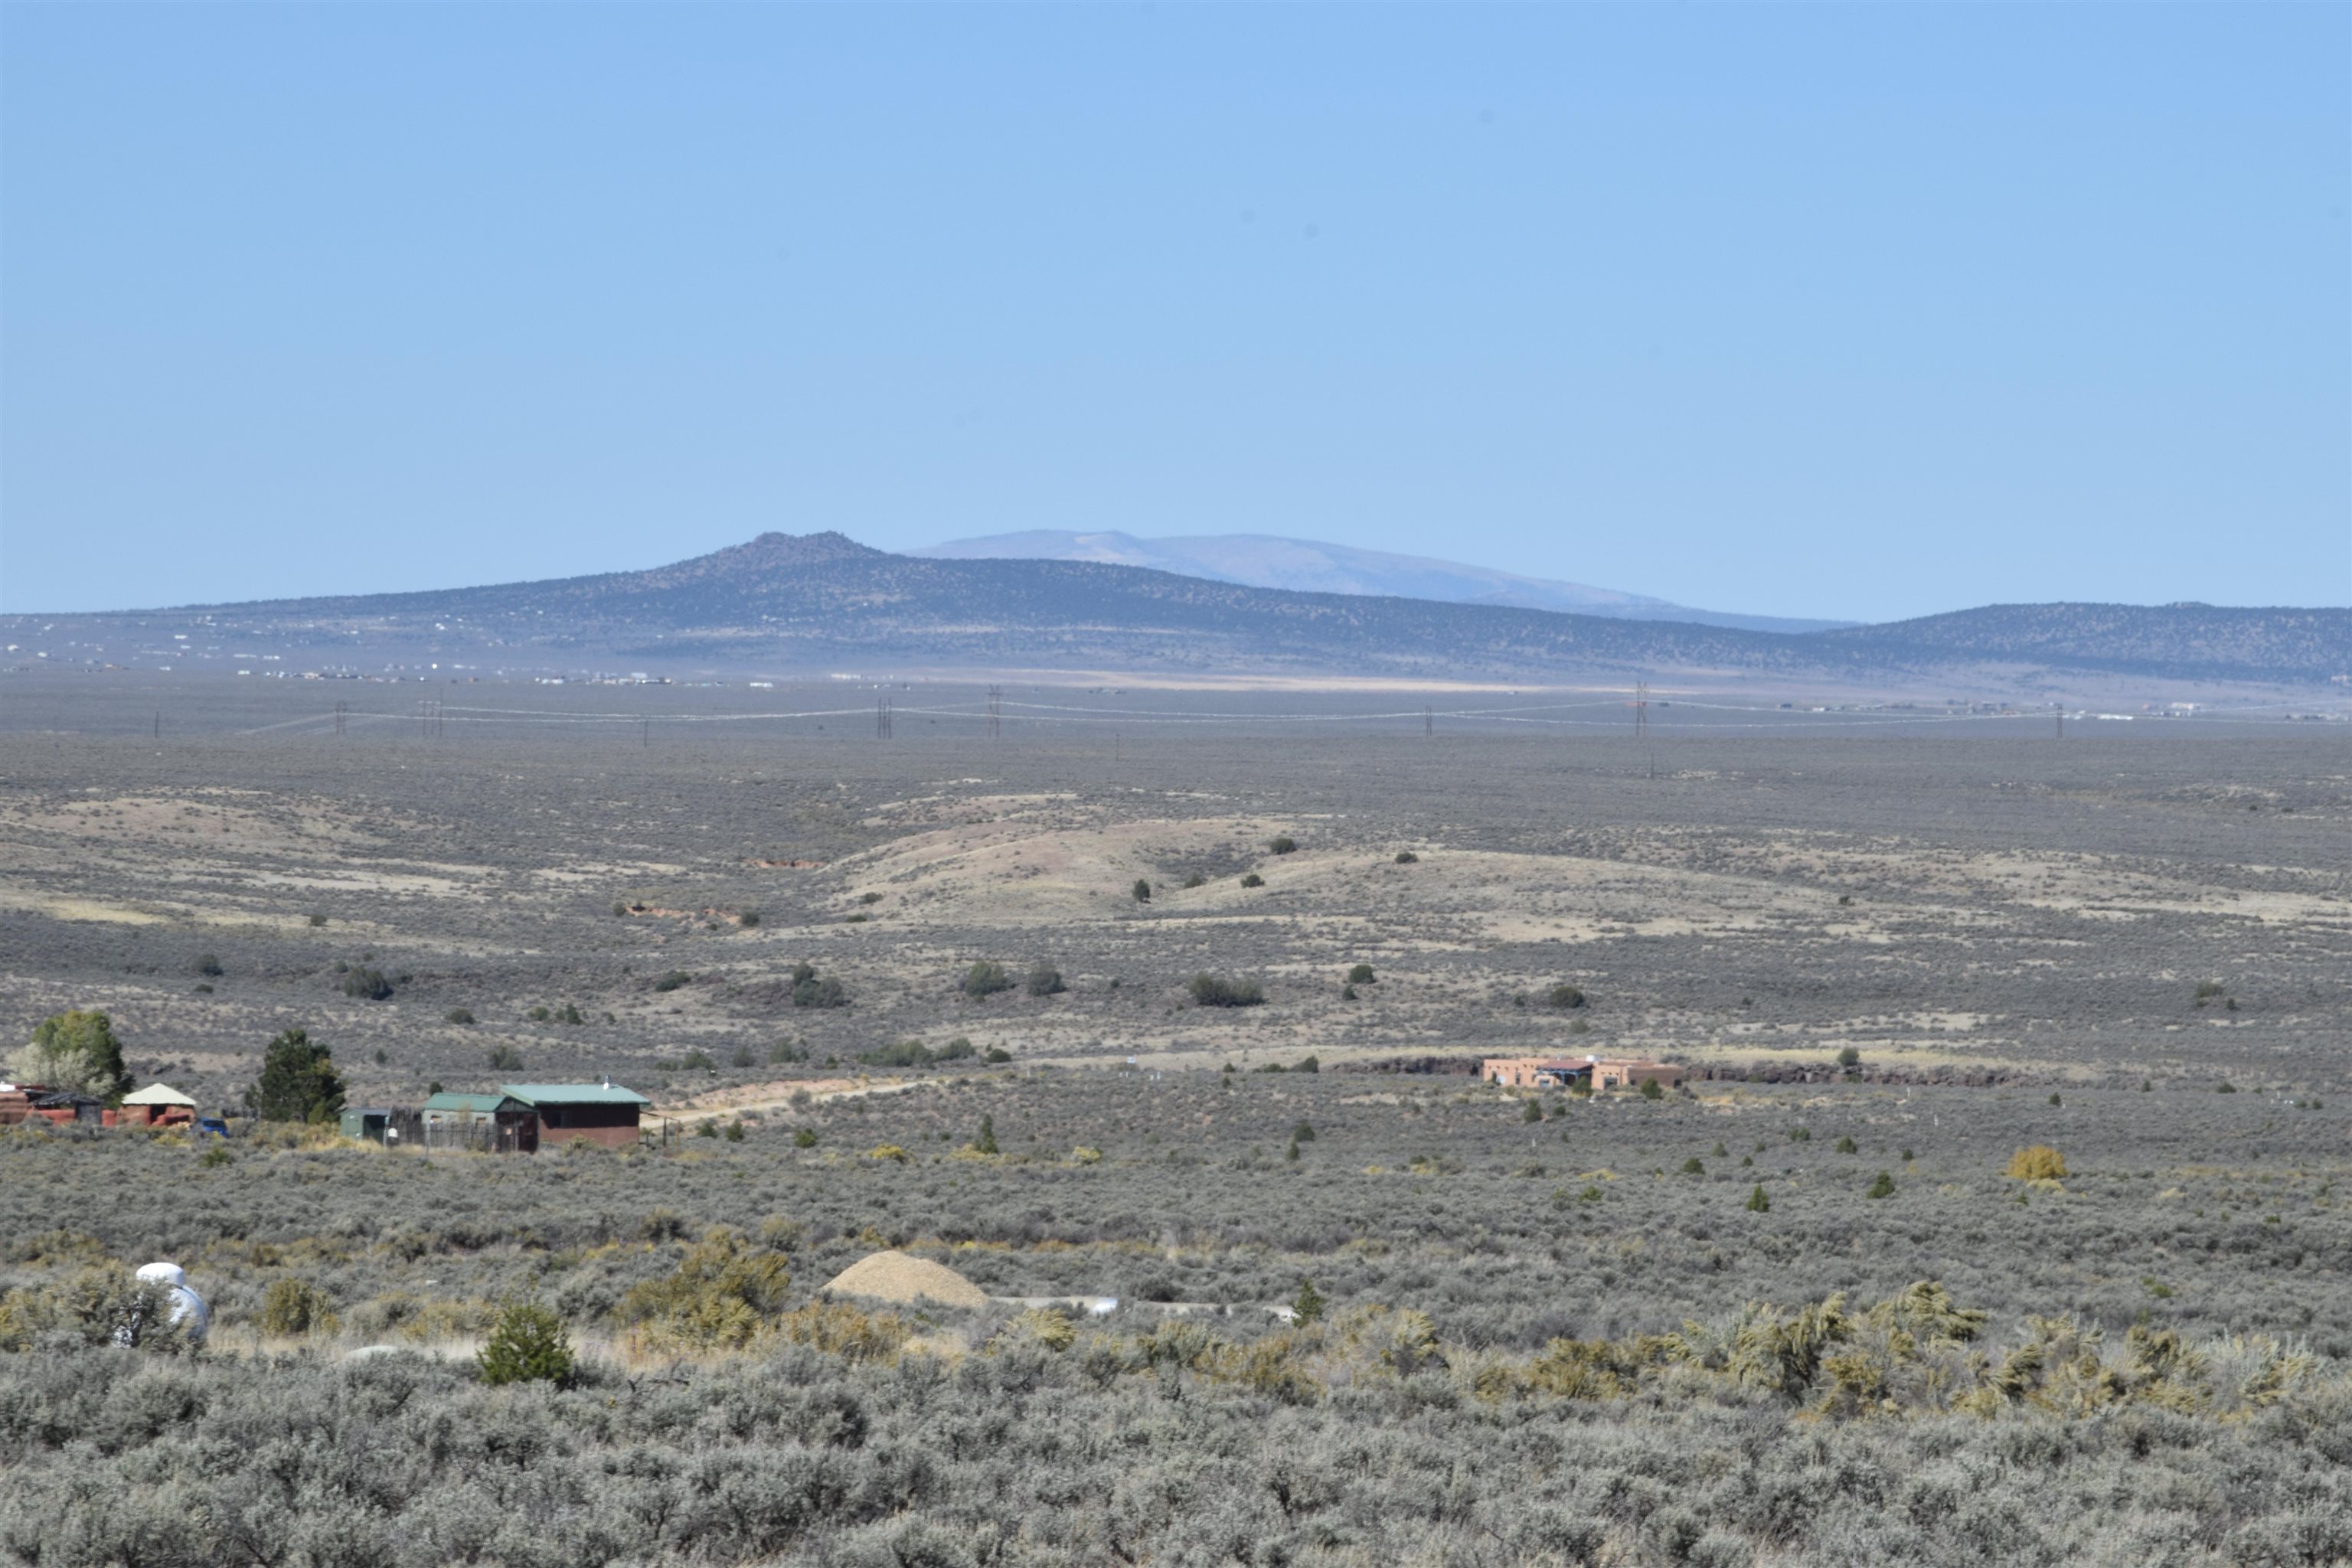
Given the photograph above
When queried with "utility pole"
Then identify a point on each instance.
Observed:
(882, 717)
(645, 733)
(995, 711)
(159, 723)
(341, 709)
(1428, 722)
(2061, 723)
(1641, 709)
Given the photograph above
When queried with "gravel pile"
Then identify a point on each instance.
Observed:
(895, 1276)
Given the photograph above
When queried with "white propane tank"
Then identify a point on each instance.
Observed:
(188, 1309)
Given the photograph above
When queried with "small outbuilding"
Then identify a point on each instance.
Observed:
(494, 1123)
(157, 1105)
(603, 1114)
(366, 1121)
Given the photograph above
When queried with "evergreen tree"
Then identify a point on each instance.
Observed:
(986, 1143)
(527, 1344)
(1306, 1306)
(1757, 1203)
(299, 1082)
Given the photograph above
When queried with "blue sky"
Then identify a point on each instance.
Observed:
(1857, 311)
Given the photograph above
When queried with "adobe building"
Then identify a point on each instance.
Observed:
(1596, 1073)
(1534, 1072)
(157, 1105)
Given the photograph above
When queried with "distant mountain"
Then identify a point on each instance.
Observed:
(1311, 566)
(2298, 644)
(821, 599)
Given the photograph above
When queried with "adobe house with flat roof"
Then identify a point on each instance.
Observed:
(1595, 1073)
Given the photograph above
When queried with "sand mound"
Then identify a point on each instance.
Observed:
(895, 1276)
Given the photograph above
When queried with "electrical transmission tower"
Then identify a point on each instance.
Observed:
(342, 710)
(1641, 709)
(1428, 720)
(882, 717)
(995, 711)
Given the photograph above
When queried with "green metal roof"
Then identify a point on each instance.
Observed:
(480, 1104)
(574, 1094)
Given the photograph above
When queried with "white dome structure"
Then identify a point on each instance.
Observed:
(187, 1309)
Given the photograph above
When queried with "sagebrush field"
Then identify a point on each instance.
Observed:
(1802, 1313)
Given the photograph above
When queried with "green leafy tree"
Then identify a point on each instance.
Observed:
(986, 979)
(819, 991)
(366, 984)
(1533, 1111)
(74, 1051)
(527, 1344)
(1882, 1188)
(299, 1081)
(1216, 991)
(1652, 1089)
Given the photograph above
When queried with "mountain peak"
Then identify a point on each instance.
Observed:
(771, 551)
(792, 549)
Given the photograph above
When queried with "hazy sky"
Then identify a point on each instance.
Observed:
(1802, 310)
